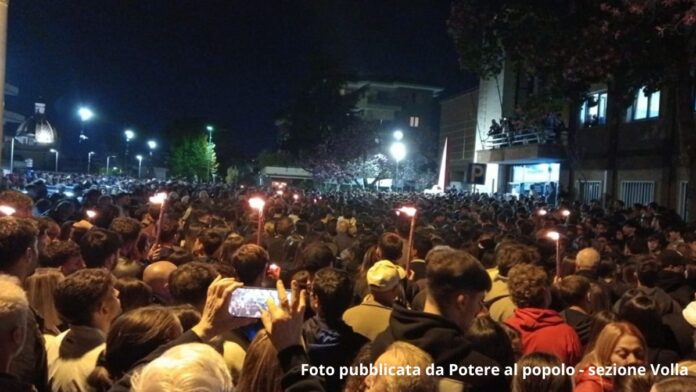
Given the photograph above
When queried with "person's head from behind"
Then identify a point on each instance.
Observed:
(65, 255)
(229, 246)
(384, 280)
(390, 247)
(421, 245)
(331, 293)
(209, 241)
(188, 315)
(99, 248)
(193, 367)
(18, 247)
(400, 354)
(88, 298)
(574, 290)
(635, 382)
(643, 312)
(156, 275)
(136, 334)
(129, 230)
(250, 262)
(647, 273)
(316, 256)
(40, 288)
(189, 283)
(529, 286)
(14, 310)
(21, 203)
(490, 339)
(620, 344)
(133, 293)
(456, 284)
(284, 227)
(509, 254)
(537, 383)
(587, 259)
(261, 370)
(675, 384)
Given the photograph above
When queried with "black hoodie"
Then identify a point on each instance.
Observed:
(674, 283)
(444, 341)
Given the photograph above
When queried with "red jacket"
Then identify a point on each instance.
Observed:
(543, 330)
(586, 382)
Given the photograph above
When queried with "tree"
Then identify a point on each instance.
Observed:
(232, 175)
(190, 156)
(571, 44)
(321, 109)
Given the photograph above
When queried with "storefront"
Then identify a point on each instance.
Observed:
(539, 179)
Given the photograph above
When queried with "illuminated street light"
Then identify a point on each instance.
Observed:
(85, 114)
(258, 203)
(129, 134)
(53, 150)
(398, 135)
(140, 163)
(398, 152)
(152, 145)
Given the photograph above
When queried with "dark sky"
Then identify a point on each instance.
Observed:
(146, 63)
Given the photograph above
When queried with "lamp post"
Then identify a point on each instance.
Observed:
(411, 212)
(53, 150)
(152, 145)
(140, 163)
(12, 154)
(85, 115)
(209, 154)
(89, 161)
(398, 152)
(258, 203)
(108, 157)
(555, 236)
(130, 135)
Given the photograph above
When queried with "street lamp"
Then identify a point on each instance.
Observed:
(140, 163)
(108, 157)
(398, 135)
(152, 145)
(85, 114)
(556, 236)
(130, 135)
(53, 150)
(258, 203)
(89, 161)
(210, 129)
(398, 152)
(409, 211)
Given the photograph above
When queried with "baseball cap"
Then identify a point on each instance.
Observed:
(384, 275)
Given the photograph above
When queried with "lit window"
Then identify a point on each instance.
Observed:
(645, 106)
(594, 111)
(414, 121)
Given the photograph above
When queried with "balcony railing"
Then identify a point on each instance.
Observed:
(519, 137)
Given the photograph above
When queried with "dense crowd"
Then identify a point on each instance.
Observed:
(110, 289)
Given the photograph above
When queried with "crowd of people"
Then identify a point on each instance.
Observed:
(114, 290)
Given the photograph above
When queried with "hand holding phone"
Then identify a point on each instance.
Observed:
(250, 301)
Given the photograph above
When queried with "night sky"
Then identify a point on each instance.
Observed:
(144, 64)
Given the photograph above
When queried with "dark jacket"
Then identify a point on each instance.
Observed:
(581, 323)
(332, 345)
(10, 383)
(30, 365)
(674, 284)
(444, 341)
(294, 379)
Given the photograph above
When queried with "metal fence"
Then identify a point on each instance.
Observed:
(589, 190)
(633, 192)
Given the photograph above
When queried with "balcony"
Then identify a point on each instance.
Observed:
(524, 146)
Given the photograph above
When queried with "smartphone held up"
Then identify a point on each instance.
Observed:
(250, 301)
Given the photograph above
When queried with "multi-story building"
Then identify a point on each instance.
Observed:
(545, 159)
(411, 108)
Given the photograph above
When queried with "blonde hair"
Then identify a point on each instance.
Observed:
(407, 354)
(192, 367)
(14, 306)
(606, 342)
(40, 287)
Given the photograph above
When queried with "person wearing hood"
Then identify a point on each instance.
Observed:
(456, 284)
(541, 329)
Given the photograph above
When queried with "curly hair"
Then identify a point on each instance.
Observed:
(528, 285)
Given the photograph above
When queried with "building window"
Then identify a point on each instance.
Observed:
(594, 111)
(414, 121)
(644, 106)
